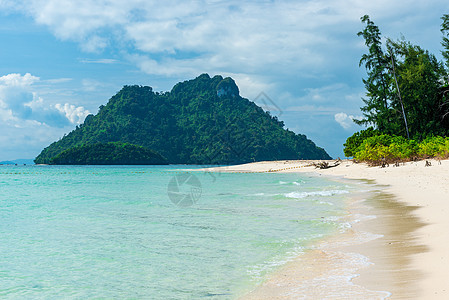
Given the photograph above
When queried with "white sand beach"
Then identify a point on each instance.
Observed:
(410, 259)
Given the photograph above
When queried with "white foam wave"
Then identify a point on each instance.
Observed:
(294, 183)
(325, 202)
(300, 195)
(337, 280)
(258, 271)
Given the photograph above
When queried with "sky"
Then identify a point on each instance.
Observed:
(61, 59)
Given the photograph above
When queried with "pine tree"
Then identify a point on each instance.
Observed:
(377, 109)
(445, 42)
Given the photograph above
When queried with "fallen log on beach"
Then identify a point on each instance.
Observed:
(326, 165)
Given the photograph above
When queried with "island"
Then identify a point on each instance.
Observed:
(202, 121)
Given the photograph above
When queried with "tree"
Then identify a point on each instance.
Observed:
(419, 78)
(393, 69)
(444, 105)
(404, 87)
(445, 42)
(377, 109)
(406, 95)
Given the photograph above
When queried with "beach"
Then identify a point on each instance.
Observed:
(409, 257)
(268, 230)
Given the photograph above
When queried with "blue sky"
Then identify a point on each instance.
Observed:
(61, 59)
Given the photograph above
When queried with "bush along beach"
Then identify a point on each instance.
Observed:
(384, 148)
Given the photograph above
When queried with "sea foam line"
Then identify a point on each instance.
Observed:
(294, 182)
(300, 195)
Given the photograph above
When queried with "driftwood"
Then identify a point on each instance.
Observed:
(326, 165)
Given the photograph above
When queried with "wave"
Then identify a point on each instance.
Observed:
(293, 183)
(300, 195)
(257, 194)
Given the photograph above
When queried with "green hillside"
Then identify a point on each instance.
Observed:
(108, 154)
(200, 121)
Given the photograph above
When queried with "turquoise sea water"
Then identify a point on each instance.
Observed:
(113, 232)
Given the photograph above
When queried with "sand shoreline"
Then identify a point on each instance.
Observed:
(419, 206)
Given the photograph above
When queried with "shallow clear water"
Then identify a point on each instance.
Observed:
(113, 232)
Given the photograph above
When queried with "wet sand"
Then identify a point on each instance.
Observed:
(370, 260)
(391, 254)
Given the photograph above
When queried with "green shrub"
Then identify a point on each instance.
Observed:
(354, 141)
(386, 148)
(435, 146)
(376, 148)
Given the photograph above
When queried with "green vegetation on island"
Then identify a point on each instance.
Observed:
(200, 121)
(375, 148)
(406, 100)
(108, 154)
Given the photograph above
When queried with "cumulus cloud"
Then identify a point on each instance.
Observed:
(236, 35)
(17, 80)
(20, 103)
(240, 37)
(27, 122)
(75, 115)
(289, 27)
(345, 121)
(181, 39)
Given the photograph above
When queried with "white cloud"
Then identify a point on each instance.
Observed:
(26, 139)
(94, 44)
(105, 61)
(181, 38)
(76, 115)
(19, 103)
(27, 122)
(326, 100)
(252, 86)
(90, 85)
(237, 35)
(167, 67)
(345, 121)
(57, 80)
(17, 80)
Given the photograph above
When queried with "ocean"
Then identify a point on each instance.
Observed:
(152, 232)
